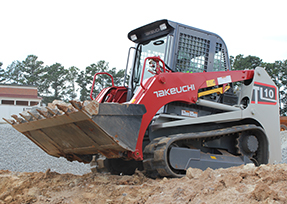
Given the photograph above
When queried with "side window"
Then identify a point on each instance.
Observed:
(192, 54)
(153, 48)
(219, 63)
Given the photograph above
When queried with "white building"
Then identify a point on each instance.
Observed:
(15, 98)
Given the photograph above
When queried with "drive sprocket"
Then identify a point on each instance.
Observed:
(247, 144)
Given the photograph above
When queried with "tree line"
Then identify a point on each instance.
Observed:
(57, 82)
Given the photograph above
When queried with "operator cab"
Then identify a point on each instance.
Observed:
(182, 48)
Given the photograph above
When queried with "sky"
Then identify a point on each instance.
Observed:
(79, 33)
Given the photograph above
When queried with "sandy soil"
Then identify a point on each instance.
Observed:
(243, 184)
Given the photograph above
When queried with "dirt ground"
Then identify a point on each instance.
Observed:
(243, 184)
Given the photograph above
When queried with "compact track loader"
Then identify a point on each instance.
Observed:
(183, 107)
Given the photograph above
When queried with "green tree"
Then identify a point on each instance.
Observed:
(13, 73)
(2, 73)
(32, 71)
(56, 80)
(278, 73)
(82, 83)
(101, 81)
(85, 79)
(28, 72)
(118, 76)
(240, 62)
(72, 77)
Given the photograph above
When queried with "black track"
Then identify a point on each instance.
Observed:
(156, 154)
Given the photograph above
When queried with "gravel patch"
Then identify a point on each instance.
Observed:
(18, 153)
(284, 146)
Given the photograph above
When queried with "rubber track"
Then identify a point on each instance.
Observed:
(156, 153)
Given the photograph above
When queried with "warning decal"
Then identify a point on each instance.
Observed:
(224, 80)
(188, 113)
(210, 83)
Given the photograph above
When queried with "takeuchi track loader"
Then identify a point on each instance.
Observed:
(180, 106)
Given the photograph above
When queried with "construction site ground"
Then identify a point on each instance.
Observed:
(243, 184)
(23, 180)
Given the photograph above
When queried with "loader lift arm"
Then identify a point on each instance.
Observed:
(165, 88)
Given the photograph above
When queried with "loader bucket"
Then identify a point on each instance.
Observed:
(80, 129)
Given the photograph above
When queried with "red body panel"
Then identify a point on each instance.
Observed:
(115, 94)
(164, 88)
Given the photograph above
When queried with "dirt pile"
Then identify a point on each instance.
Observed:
(244, 184)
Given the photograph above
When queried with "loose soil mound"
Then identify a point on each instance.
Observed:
(243, 184)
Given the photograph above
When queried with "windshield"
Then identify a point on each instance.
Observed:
(153, 48)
